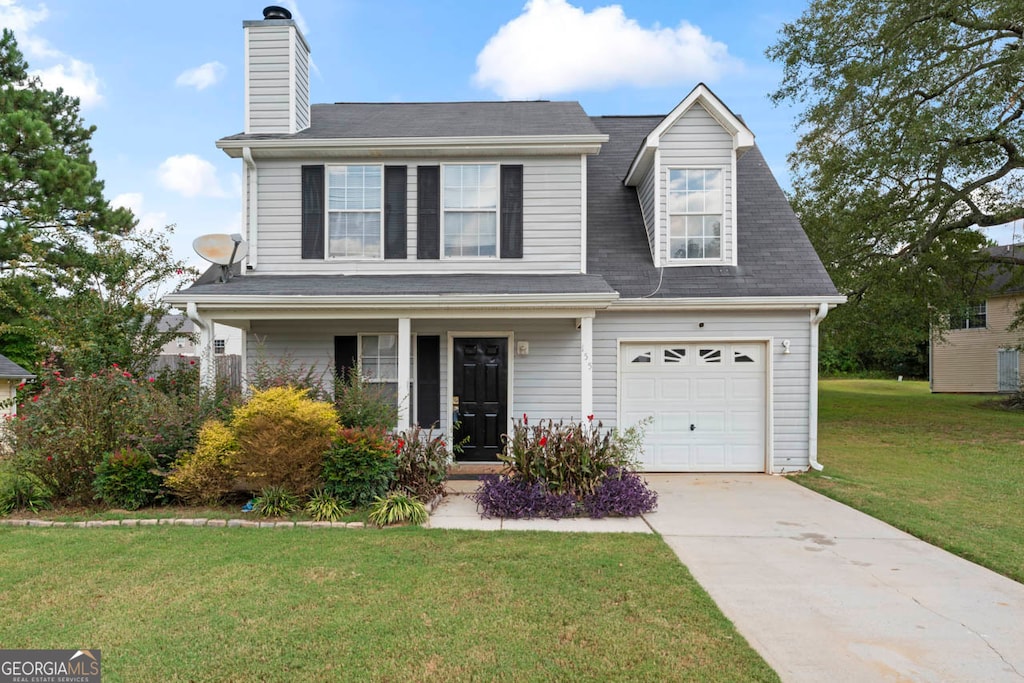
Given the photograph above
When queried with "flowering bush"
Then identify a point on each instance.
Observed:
(127, 479)
(569, 457)
(421, 463)
(65, 425)
(204, 475)
(360, 465)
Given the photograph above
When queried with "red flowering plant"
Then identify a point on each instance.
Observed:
(568, 457)
(66, 424)
(421, 463)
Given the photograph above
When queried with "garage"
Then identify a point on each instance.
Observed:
(707, 402)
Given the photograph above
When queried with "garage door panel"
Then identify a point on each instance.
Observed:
(719, 388)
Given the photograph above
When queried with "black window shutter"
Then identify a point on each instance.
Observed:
(346, 355)
(511, 211)
(312, 212)
(395, 212)
(428, 380)
(428, 212)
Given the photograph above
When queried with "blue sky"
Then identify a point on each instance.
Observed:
(162, 81)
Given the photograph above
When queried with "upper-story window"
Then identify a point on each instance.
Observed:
(975, 316)
(354, 211)
(695, 213)
(470, 199)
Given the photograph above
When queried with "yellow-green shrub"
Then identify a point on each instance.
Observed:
(205, 475)
(282, 437)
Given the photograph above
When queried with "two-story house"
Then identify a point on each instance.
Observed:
(495, 259)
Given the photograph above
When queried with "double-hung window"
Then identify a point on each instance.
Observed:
(695, 213)
(470, 210)
(974, 317)
(354, 211)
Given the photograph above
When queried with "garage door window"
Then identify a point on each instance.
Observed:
(642, 357)
(674, 355)
(710, 355)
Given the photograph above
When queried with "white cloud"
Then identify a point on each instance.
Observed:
(149, 221)
(297, 16)
(554, 47)
(76, 77)
(191, 176)
(202, 77)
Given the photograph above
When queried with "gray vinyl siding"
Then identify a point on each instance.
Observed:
(545, 383)
(697, 139)
(647, 192)
(301, 85)
(269, 99)
(790, 381)
(552, 218)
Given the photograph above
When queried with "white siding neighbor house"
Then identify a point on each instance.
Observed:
(11, 375)
(495, 259)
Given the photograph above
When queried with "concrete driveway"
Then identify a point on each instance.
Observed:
(826, 593)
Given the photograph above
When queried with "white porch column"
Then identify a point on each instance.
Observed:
(586, 367)
(207, 361)
(404, 371)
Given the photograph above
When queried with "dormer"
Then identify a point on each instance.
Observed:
(684, 174)
(276, 74)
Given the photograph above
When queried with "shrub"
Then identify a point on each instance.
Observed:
(396, 508)
(126, 479)
(569, 457)
(275, 501)
(63, 430)
(516, 498)
(21, 490)
(325, 507)
(422, 461)
(285, 371)
(360, 465)
(282, 436)
(364, 404)
(621, 493)
(204, 476)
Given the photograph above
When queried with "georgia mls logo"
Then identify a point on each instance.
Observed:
(50, 666)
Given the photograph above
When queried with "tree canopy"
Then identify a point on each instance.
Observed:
(77, 276)
(911, 139)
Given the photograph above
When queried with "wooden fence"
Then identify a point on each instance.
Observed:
(229, 366)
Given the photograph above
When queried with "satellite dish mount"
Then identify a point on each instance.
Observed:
(222, 250)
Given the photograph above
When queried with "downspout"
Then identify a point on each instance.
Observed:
(207, 367)
(250, 206)
(812, 398)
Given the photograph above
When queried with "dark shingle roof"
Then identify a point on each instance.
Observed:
(11, 370)
(439, 119)
(404, 285)
(1007, 278)
(775, 256)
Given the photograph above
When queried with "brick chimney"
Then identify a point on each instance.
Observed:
(276, 74)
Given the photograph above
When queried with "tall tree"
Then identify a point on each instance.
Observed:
(76, 276)
(911, 139)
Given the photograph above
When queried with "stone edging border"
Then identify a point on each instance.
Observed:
(181, 521)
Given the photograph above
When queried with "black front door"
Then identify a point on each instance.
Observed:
(479, 396)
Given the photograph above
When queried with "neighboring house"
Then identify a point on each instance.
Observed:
(226, 340)
(11, 375)
(493, 259)
(979, 352)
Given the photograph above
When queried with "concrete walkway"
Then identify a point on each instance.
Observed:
(821, 591)
(826, 593)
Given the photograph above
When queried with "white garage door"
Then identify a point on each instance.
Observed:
(707, 403)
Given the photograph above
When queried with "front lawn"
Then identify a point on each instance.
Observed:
(205, 604)
(946, 468)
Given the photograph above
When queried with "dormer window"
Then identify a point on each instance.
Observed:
(354, 211)
(470, 210)
(696, 201)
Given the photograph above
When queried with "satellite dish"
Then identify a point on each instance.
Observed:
(222, 250)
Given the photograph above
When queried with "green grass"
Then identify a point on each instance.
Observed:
(948, 469)
(205, 604)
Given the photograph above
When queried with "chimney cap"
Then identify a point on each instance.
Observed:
(275, 12)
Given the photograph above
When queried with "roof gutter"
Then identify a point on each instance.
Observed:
(400, 301)
(812, 398)
(726, 302)
(207, 364)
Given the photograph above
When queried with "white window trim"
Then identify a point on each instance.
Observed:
(666, 234)
(969, 313)
(497, 213)
(328, 211)
(359, 355)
